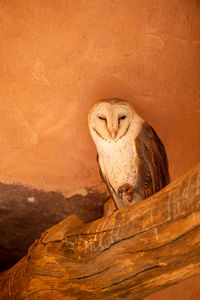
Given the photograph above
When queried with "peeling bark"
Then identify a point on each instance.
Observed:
(137, 251)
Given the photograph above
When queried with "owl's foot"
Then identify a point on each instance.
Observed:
(126, 191)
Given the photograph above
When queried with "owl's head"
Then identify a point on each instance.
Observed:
(110, 119)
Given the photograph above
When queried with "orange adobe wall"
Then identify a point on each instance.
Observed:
(58, 57)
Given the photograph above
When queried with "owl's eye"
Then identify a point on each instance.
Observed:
(122, 118)
(102, 118)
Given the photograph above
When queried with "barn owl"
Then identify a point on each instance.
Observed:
(131, 157)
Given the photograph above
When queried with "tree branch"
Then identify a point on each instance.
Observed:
(137, 251)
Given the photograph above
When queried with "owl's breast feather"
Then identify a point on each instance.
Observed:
(117, 161)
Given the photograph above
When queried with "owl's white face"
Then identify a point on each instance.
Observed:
(110, 119)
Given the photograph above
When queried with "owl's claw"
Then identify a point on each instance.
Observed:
(126, 190)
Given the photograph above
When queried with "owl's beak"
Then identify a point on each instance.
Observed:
(113, 133)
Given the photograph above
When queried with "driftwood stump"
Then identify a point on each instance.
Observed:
(139, 250)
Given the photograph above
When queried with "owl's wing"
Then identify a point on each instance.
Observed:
(152, 163)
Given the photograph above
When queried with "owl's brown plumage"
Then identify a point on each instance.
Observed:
(131, 157)
(153, 172)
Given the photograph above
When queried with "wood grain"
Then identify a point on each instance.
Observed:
(137, 251)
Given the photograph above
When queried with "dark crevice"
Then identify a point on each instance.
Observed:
(97, 273)
(90, 233)
(131, 277)
(48, 275)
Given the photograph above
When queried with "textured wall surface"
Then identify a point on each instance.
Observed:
(58, 57)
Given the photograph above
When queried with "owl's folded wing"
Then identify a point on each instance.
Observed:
(152, 163)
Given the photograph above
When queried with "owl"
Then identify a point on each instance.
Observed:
(131, 157)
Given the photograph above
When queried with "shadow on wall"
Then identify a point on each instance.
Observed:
(26, 213)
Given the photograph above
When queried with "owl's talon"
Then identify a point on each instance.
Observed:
(126, 190)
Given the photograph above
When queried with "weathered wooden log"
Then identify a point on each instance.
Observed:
(139, 250)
